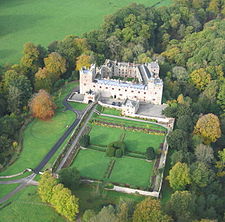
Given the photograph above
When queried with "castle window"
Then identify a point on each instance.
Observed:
(93, 85)
(100, 87)
(144, 92)
(84, 84)
(106, 87)
(138, 91)
(125, 90)
(132, 91)
(119, 89)
(155, 92)
(112, 88)
(120, 94)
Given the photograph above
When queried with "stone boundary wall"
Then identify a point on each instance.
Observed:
(109, 106)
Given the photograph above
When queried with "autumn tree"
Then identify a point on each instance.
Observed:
(64, 202)
(208, 128)
(55, 64)
(43, 80)
(32, 57)
(179, 176)
(83, 61)
(149, 210)
(200, 78)
(45, 186)
(42, 106)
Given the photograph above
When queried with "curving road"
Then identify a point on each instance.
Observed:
(30, 179)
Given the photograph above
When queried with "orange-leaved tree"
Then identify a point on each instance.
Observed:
(42, 106)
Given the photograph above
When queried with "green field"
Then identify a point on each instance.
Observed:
(135, 141)
(26, 206)
(78, 106)
(91, 163)
(42, 22)
(39, 136)
(132, 171)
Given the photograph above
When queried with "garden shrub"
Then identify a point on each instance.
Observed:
(85, 140)
(117, 149)
(118, 153)
(110, 151)
(150, 153)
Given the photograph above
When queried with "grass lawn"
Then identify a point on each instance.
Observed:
(135, 141)
(91, 163)
(44, 21)
(132, 171)
(91, 196)
(111, 111)
(78, 106)
(26, 206)
(6, 188)
(63, 92)
(38, 138)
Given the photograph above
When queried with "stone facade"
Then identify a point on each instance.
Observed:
(119, 80)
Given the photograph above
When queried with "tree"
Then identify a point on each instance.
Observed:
(42, 106)
(150, 153)
(18, 90)
(204, 153)
(85, 140)
(149, 210)
(45, 186)
(179, 176)
(64, 202)
(185, 123)
(181, 206)
(83, 61)
(221, 163)
(177, 139)
(88, 214)
(221, 95)
(69, 177)
(43, 80)
(107, 214)
(208, 127)
(200, 174)
(32, 57)
(55, 64)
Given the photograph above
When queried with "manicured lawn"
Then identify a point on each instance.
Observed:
(44, 21)
(104, 135)
(26, 206)
(111, 111)
(138, 141)
(132, 171)
(63, 92)
(135, 141)
(6, 188)
(78, 106)
(91, 163)
(38, 138)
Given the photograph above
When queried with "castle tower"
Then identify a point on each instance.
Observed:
(86, 78)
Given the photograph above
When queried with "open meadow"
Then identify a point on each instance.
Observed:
(42, 22)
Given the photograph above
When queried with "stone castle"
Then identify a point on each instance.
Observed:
(122, 81)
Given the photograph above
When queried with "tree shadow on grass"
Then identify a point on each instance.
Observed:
(14, 23)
